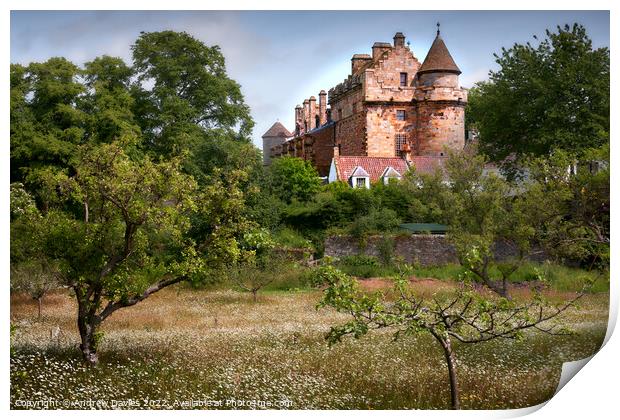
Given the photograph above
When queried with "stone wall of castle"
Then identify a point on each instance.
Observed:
(351, 135)
(439, 126)
(382, 82)
(364, 108)
(382, 126)
(320, 148)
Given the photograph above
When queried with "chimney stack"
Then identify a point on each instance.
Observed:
(379, 48)
(322, 107)
(299, 121)
(358, 61)
(336, 150)
(312, 124)
(306, 113)
(399, 39)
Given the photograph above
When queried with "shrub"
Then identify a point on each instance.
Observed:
(377, 221)
(386, 248)
(290, 238)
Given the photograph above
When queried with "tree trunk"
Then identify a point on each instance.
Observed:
(499, 287)
(87, 327)
(88, 345)
(255, 295)
(450, 360)
(39, 303)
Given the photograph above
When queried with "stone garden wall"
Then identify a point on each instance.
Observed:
(426, 250)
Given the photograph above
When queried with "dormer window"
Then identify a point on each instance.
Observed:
(403, 79)
(360, 178)
(389, 174)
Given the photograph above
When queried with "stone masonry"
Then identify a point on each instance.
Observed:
(426, 250)
(390, 99)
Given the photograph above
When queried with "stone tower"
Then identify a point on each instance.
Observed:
(276, 135)
(441, 103)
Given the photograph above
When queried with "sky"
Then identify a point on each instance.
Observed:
(282, 57)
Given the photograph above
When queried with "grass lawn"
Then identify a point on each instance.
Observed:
(220, 348)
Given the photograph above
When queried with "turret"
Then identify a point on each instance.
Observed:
(275, 136)
(441, 102)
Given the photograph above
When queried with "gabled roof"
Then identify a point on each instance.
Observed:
(278, 130)
(373, 166)
(390, 173)
(438, 59)
(360, 172)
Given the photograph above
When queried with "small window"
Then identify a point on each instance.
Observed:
(400, 115)
(360, 182)
(401, 139)
(403, 79)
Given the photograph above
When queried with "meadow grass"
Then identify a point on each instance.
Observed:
(217, 345)
(560, 277)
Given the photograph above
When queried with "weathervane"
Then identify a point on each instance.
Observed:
(437, 28)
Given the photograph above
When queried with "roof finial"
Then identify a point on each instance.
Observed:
(438, 28)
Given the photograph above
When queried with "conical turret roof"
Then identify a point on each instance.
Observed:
(439, 59)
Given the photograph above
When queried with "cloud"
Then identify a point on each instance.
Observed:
(279, 57)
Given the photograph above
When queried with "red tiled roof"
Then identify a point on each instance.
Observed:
(375, 166)
(427, 164)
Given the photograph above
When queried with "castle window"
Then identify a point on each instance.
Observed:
(317, 121)
(403, 79)
(401, 139)
(400, 115)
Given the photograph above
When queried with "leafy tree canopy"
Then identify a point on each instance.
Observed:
(183, 91)
(293, 178)
(551, 95)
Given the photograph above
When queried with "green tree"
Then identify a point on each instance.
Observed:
(177, 98)
(258, 266)
(292, 178)
(464, 316)
(120, 233)
(34, 278)
(571, 213)
(551, 95)
(46, 124)
(108, 102)
(183, 92)
(482, 210)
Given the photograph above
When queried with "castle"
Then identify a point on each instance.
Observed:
(391, 112)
